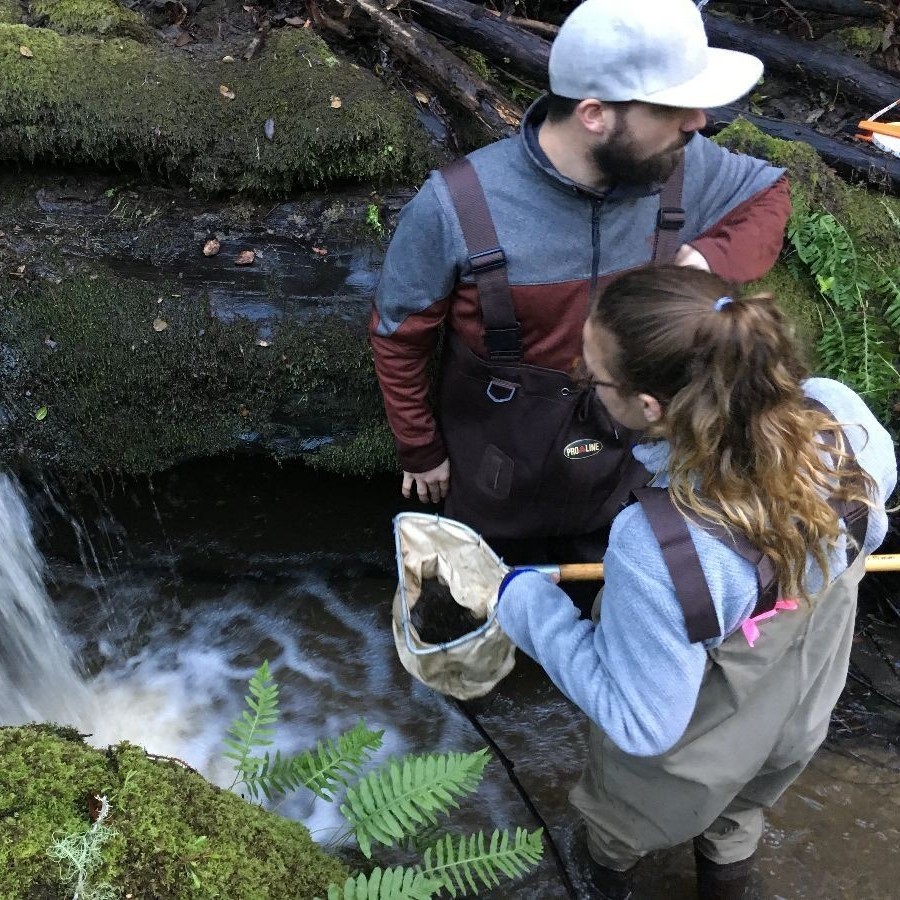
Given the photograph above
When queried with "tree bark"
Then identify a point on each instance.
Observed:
(866, 85)
(447, 72)
(467, 23)
(857, 9)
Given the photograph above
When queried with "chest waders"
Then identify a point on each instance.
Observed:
(532, 452)
(762, 712)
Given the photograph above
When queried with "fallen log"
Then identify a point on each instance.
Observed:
(856, 9)
(854, 162)
(445, 71)
(466, 23)
(868, 86)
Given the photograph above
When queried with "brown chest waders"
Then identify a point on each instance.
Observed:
(532, 452)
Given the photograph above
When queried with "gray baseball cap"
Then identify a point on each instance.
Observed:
(655, 51)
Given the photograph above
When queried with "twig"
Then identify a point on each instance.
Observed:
(159, 758)
(800, 16)
(257, 42)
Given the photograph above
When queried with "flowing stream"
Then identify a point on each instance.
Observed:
(162, 597)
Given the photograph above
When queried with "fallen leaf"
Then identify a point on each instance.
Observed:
(262, 343)
(49, 343)
(25, 51)
(183, 39)
(228, 59)
(211, 247)
(41, 414)
(307, 23)
(226, 92)
(422, 97)
(160, 324)
(269, 129)
(335, 102)
(245, 258)
(244, 411)
(321, 251)
(294, 21)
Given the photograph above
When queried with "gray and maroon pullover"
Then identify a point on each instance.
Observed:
(558, 237)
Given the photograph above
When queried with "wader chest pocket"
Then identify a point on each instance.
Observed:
(501, 391)
(495, 473)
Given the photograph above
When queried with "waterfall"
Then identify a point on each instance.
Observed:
(39, 681)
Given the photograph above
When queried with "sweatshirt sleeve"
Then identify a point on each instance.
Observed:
(739, 206)
(635, 674)
(420, 269)
(744, 244)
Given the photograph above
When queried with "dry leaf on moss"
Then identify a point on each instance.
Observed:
(226, 92)
(335, 102)
(160, 324)
(25, 51)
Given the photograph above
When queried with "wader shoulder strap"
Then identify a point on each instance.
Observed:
(502, 335)
(854, 513)
(680, 555)
(670, 218)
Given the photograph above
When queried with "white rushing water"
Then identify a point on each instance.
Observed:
(39, 681)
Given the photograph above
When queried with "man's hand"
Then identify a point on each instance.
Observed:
(432, 485)
(688, 256)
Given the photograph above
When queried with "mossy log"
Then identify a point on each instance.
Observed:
(158, 810)
(119, 103)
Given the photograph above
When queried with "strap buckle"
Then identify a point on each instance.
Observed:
(504, 344)
(487, 260)
(672, 218)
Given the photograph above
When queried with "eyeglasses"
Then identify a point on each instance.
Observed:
(599, 382)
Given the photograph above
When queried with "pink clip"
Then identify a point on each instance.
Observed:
(751, 629)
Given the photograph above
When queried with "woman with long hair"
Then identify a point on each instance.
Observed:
(710, 673)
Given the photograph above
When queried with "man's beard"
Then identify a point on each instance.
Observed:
(618, 161)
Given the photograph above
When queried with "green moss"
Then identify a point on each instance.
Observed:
(10, 12)
(104, 17)
(870, 218)
(861, 40)
(119, 103)
(158, 810)
(121, 395)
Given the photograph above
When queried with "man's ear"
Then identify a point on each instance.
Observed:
(651, 407)
(595, 116)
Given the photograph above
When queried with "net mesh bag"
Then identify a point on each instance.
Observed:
(432, 547)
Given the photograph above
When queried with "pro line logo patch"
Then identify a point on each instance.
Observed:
(582, 448)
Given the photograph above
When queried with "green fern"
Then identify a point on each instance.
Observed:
(322, 770)
(458, 868)
(859, 336)
(395, 801)
(252, 728)
(386, 884)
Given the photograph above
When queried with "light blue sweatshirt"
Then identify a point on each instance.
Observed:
(636, 675)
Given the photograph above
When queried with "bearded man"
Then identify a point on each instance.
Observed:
(502, 251)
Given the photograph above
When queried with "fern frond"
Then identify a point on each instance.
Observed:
(251, 729)
(333, 762)
(388, 884)
(394, 801)
(460, 868)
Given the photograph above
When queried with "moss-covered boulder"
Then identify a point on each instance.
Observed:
(101, 17)
(298, 116)
(176, 837)
(99, 375)
(10, 12)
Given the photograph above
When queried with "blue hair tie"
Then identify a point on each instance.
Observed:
(721, 303)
